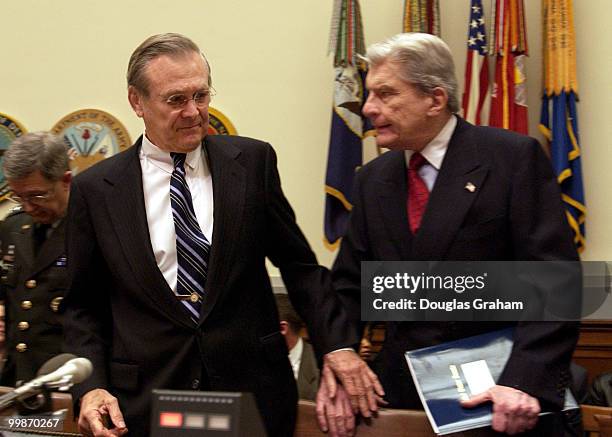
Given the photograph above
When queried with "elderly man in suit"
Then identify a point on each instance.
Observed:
(168, 242)
(449, 190)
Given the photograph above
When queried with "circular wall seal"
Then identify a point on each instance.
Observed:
(9, 130)
(219, 124)
(92, 135)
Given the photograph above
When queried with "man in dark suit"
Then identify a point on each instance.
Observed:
(168, 241)
(600, 392)
(34, 273)
(301, 354)
(449, 190)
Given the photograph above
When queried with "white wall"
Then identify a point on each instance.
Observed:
(272, 74)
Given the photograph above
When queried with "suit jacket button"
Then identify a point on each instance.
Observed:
(26, 305)
(21, 347)
(23, 326)
(31, 283)
(195, 384)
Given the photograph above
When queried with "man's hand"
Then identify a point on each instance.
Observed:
(335, 415)
(360, 383)
(514, 411)
(97, 406)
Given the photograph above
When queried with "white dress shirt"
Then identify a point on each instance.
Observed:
(295, 357)
(157, 166)
(434, 153)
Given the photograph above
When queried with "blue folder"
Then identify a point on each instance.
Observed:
(441, 382)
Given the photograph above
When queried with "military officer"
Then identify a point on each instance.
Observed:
(33, 279)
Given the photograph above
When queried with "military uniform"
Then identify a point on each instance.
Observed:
(32, 285)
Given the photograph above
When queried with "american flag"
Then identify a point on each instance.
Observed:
(476, 93)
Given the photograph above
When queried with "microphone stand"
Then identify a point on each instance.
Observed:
(8, 399)
(37, 399)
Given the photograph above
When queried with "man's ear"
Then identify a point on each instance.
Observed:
(284, 327)
(67, 178)
(135, 101)
(439, 100)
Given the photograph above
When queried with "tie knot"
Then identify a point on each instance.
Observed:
(416, 161)
(179, 159)
(41, 230)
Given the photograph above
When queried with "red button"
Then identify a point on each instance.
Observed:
(170, 420)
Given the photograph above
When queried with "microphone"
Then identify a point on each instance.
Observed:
(64, 370)
(52, 364)
(74, 371)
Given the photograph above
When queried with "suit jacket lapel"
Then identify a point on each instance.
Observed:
(51, 249)
(393, 191)
(308, 373)
(126, 208)
(450, 199)
(24, 245)
(229, 192)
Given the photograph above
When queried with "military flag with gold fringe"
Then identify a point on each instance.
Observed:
(559, 118)
(422, 16)
(509, 46)
(348, 126)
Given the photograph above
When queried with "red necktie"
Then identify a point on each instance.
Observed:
(418, 194)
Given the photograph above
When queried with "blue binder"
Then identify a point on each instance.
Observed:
(444, 374)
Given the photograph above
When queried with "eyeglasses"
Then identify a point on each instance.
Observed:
(200, 98)
(36, 199)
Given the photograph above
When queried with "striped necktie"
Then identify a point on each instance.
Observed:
(192, 247)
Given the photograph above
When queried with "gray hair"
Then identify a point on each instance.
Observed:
(37, 151)
(168, 44)
(425, 61)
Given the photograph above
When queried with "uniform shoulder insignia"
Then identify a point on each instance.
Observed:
(15, 210)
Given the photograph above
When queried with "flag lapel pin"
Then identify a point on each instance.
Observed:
(470, 187)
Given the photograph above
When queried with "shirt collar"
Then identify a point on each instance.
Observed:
(435, 150)
(295, 354)
(162, 158)
(56, 223)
